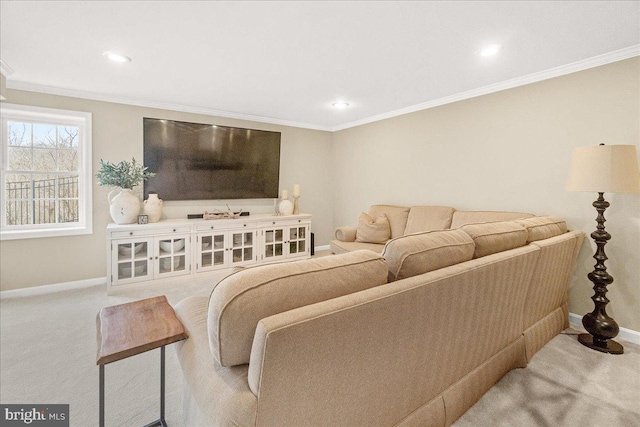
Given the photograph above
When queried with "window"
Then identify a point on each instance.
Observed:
(46, 172)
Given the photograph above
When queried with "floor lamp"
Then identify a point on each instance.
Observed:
(602, 169)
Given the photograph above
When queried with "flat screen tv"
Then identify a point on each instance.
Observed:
(194, 161)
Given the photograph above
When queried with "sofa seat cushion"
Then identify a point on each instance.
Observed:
(461, 218)
(397, 216)
(372, 230)
(493, 237)
(240, 300)
(543, 227)
(428, 218)
(340, 247)
(420, 253)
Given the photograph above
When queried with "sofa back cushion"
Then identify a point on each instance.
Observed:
(372, 230)
(420, 253)
(493, 237)
(543, 227)
(241, 299)
(428, 218)
(397, 216)
(461, 218)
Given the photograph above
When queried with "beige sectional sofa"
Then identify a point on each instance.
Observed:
(412, 337)
(407, 220)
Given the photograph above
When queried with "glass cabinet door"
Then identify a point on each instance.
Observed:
(273, 244)
(171, 258)
(211, 251)
(297, 240)
(242, 247)
(131, 260)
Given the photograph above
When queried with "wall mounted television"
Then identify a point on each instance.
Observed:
(194, 161)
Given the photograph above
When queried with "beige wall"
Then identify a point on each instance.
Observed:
(117, 135)
(508, 151)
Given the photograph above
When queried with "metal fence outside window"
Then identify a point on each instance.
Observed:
(42, 201)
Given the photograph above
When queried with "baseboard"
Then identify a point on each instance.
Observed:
(56, 287)
(322, 248)
(575, 320)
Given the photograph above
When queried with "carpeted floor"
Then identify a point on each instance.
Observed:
(48, 350)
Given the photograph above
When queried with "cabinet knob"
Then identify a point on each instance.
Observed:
(174, 230)
(131, 233)
(212, 227)
(245, 225)
(274, 223)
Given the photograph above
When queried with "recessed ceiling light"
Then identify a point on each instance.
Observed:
(340, 105)
(116, 57)
(490, 50)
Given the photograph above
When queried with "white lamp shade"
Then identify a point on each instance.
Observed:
(604, 169)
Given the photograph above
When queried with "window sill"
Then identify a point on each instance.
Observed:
(41, 233)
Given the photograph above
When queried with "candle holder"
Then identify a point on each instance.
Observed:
(296, 208)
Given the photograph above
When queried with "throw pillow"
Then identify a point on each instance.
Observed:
(372, 231)
(397, 216)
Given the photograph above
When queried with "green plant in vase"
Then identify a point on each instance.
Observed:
(124, 206)
(123, 175)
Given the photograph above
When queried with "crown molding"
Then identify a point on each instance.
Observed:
(30, 87)
(596, 61)
(5, 70)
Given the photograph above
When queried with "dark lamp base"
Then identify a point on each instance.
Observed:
(611, 348)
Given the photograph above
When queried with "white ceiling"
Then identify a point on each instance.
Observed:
(287, 62)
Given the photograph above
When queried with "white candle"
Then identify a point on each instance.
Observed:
(285, 194)
(296, 190)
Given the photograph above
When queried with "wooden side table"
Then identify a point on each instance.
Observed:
(128, 329)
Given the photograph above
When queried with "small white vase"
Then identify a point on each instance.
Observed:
(124, 206)
(153, 207)
(285, 207)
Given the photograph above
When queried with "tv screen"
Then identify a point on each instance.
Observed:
(195, 161)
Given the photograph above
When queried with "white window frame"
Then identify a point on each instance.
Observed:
(13, 112)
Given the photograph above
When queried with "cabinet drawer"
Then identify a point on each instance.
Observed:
(276, 223)
(149, 232)
(238, 226)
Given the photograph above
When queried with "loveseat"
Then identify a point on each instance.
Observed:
(412, 337)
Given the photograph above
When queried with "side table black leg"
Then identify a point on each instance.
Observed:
(160, 422)
(101, 396)
(163, 423)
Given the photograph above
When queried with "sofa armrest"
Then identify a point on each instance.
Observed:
(192, 312)
(346, 234)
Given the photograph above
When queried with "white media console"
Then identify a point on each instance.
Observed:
(198, 249)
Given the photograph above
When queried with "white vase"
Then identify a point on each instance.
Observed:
(153, 207)
(285, 207)
(124, 206)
